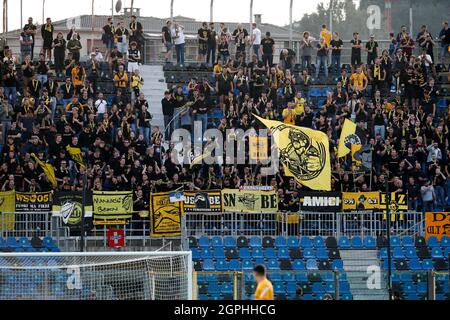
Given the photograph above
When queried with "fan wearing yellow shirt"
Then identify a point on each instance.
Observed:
(264, 289)
(299, 104)
(326, 34)
(289, 114)
(358, 81)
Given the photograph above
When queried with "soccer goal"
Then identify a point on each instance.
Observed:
(96, 276)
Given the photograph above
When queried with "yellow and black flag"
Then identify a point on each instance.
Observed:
(48, 169)
(348, 138)
(77, 155)
(304, 153)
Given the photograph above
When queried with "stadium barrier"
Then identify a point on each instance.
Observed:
(365, 223)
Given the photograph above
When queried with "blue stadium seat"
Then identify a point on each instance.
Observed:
(383, 253)
(385, 265)
(291, 288)
(370, 243)
(433, 242)
(275, 277)
(347, 297)
(406, 277)
(318, 288)
(280, 242)
(330, 287)
(398, 253)
(244, 253)
(293, 242)
(288, 277)
(357, 242)
(298, 265)
(218, 253)
(208, 265)
(337, 265)
(260, 261)
(213, 288)
(319, 242)
(255, 242)
(309, 254)
(427, 264)
(410, 253)
(311, 264)
(278, 287)
(308, 297)
(344, 287)
(221, 265)
(436, 253)
(247, 264)
(270, 253)
(205, 253)
(216, 242)
(235, 265)
(195, 254)
(257, 253)
(305, 242)
(415, 265)
(395, 241)
(322, 254)
(328, 276)
(344, 243)
(230, 242)
(2, 243)
(283, 253)
(446, 252)
(203, 242)
(24, 242)
(408, 241)
(226, 288)
(409, 287)
(422, 287)
(273, 264)
(445, 241)
(11, 242)
(301, 277)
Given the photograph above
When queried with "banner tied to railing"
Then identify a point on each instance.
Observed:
(249, 201)
(437, 224)
(111, 208)
(202, 201)
(33, 201)
(165, 216)
(69, 206)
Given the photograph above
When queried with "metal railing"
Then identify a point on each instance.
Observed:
(303, 223)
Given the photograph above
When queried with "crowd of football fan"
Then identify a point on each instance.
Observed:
(48, 105)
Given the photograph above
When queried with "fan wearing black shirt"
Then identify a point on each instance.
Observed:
(356, 50)
(268, 49)
(167, 40)
(30, 29)
(168, 109)
(336, 48)
(200, 111)
(203, 37)
(212, 44)
(136, 31)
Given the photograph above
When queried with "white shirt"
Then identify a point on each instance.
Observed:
(180, 38)
(256, 37)
(99, 57)
(426, 60)
(101, 106)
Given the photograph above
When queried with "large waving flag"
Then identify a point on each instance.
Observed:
(77, 155)
(48, 169)
(304, 153)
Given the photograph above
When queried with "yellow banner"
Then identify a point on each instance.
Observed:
(111, 207)
(304, 153)
(437, 224)
(360, 201)
(165, 217)
(7, 209)
(234, 200)
(258, 148)
(348, 130)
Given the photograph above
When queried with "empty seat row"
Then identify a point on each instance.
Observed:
(268, 253)
(413, 253)
(416, 265)
(271, 264)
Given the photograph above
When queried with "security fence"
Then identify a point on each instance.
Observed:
(365, 223)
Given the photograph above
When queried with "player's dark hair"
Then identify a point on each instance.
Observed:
(260, 270)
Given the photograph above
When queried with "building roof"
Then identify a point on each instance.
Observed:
(154, 25)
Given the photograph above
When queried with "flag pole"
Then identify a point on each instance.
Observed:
(92, 27)
(83, 212)
(388, 235)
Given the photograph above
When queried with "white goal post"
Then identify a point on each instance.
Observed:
(96, 276)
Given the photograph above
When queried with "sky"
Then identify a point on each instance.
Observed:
(224, 10)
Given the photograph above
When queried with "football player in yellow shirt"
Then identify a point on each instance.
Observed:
(264, 290)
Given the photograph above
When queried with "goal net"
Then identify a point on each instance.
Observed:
(96, 276)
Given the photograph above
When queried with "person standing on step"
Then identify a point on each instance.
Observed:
(167, 40)
(47, 37)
